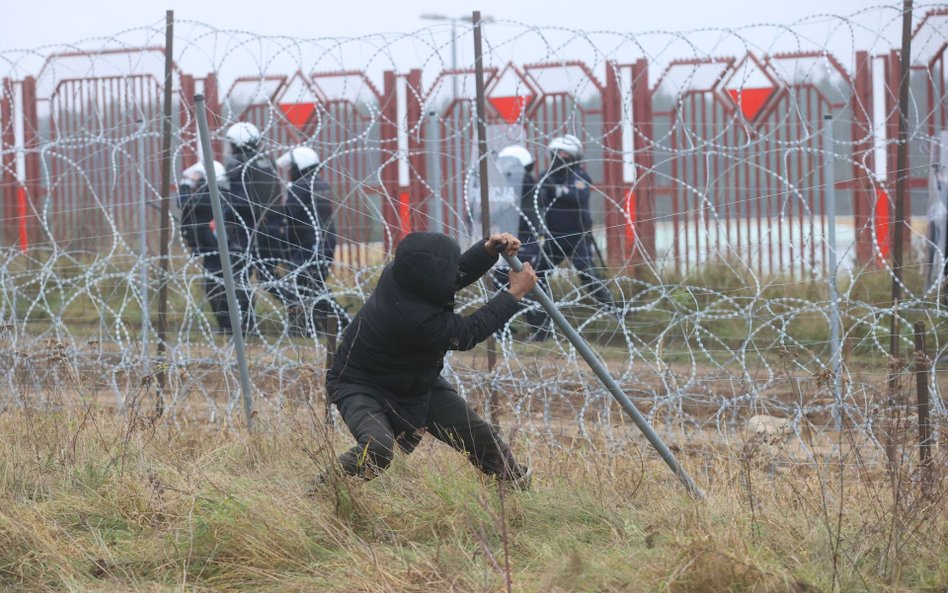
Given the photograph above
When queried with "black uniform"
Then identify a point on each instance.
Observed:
(530, 219)
(310, 248)
(385, 379)
(254, 225)
(196, 219)
(564, 197)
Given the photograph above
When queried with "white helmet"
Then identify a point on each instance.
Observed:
(243, 134)
(303, 157)
(569, 144)
(518, 152)
(197, 172)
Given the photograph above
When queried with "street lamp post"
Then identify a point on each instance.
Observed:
(454, 40)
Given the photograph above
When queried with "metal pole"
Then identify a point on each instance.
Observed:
(895, 397)
(436, 210)
(485, 190)
(922, 365)
(235, 323)
(901, 172)
(603, 373)
(166, 163)
(836, 361)
(143, 248)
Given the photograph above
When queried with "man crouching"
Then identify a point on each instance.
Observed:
(386, 377)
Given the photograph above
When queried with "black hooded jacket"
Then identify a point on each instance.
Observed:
(397, 342)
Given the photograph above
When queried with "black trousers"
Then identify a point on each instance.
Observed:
(380, 424)
(578, 249)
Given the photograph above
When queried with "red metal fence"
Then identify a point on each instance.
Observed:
(691, 162)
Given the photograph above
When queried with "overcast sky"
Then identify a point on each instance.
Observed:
(32, 24)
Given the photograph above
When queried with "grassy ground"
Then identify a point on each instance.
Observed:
(92, 501)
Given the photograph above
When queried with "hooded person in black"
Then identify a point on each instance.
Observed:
(386, 376)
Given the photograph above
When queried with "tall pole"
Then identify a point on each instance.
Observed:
(608, 381)
(829, 180)
(143, 247)
(901, 172)
(165, 222)
(235, 323)
(482, 162)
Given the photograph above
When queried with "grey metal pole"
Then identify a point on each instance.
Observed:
(436, 211)
(235, 322)
(829, 181)
(143, 249)
(603, 373)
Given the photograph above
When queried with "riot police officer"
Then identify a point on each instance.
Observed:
(310, 241)
(564, 197)
(197, 230)
(255, 216)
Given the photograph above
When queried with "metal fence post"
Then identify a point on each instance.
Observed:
(829, 176)
(167, 162)
(485, 189)
(143, 248)
(235, 318)
(922, 366)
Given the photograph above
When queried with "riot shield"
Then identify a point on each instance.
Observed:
(505, 181)
(937, 243)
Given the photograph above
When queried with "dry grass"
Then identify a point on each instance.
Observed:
(92, 501)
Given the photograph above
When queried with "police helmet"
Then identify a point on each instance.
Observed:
(303, 157)
(243, 135)
(518, 152)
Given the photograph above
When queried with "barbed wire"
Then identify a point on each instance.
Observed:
(708, 194)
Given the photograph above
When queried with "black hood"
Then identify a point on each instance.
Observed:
(426, 265)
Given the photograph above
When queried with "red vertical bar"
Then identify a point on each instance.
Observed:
(941, 85)
(187, 121)
(772, 194)
(758, 200)
(31, 180)
(213, 101)
(8, 164)
(798, 181)
(813, 185)
(893, 74)
(695, 174)
(612, 166)
(823, 177)
(863, 155)
(729, 139)
(717, 117)
(417, 190)
(710, 130)
(644, 160)
(388, 130)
